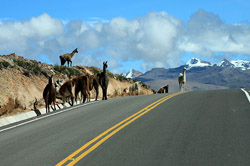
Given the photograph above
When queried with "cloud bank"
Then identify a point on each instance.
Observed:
(155, 40)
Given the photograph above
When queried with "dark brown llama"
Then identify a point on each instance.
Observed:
(104, 81)
(49, 95)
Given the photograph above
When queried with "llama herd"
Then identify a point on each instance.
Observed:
(74, 88)
(80, 86)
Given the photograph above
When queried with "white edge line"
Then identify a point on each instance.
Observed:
(39, 118)
(248, 97)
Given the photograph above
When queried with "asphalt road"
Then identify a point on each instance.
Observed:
(195, 128)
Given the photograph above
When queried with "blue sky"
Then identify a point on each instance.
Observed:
(138, 34)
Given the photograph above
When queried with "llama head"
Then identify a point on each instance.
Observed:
(75, 50)
(50, 80)
(105, 64)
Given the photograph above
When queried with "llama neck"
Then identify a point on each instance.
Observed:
(51, 81)
(184, 75)
(72, 54)
(104, 69)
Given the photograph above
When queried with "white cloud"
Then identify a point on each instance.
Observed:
(156, 40)
(207, 33)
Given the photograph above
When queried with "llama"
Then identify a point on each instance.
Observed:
(49, 95)
(135, 87)
(163, 89)
(104, 81)
(94, 82)
(182, 79)
(66, 90)
(82, 85)
(67, 57)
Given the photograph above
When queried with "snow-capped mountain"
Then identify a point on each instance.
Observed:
(195, 62)
(226, 63)
(243, 65)
(133, 73)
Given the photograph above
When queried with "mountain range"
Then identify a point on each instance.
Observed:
(201, 75)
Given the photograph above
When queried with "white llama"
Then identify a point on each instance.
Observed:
(182, 79)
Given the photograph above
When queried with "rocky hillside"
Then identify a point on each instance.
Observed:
(22, 80)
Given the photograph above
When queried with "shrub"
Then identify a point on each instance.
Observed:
(30, 67)
(94, 70)
(110, 74)
(67, 70)
(121, 78)
(26, 73)
(4, 64)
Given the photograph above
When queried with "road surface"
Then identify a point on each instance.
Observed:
(194, 128)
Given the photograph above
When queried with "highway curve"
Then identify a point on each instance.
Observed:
(194, 128)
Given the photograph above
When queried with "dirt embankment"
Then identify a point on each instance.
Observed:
(23, 80)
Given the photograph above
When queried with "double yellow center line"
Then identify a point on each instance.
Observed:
(80, 153)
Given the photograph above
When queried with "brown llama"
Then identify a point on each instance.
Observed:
(94, 82)
(49, 95)
(82, 85)
(163, 89)
(66, 90)
(67, 57)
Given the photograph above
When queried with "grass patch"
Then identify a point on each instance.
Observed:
(29, 67)
(67, 70)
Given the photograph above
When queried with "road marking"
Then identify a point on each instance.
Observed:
(110, 132)
(248, 97)
(45, 116)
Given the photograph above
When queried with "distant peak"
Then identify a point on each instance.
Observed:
(195, 62)
(133, 73)
(226, 63)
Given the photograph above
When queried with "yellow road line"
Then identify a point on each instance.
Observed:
(122, 124)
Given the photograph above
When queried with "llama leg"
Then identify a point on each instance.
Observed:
(105, 94)
(88, 93)
(96, 92)
(84, 98)
(64, 100)
(54, 106)
(72, 100)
